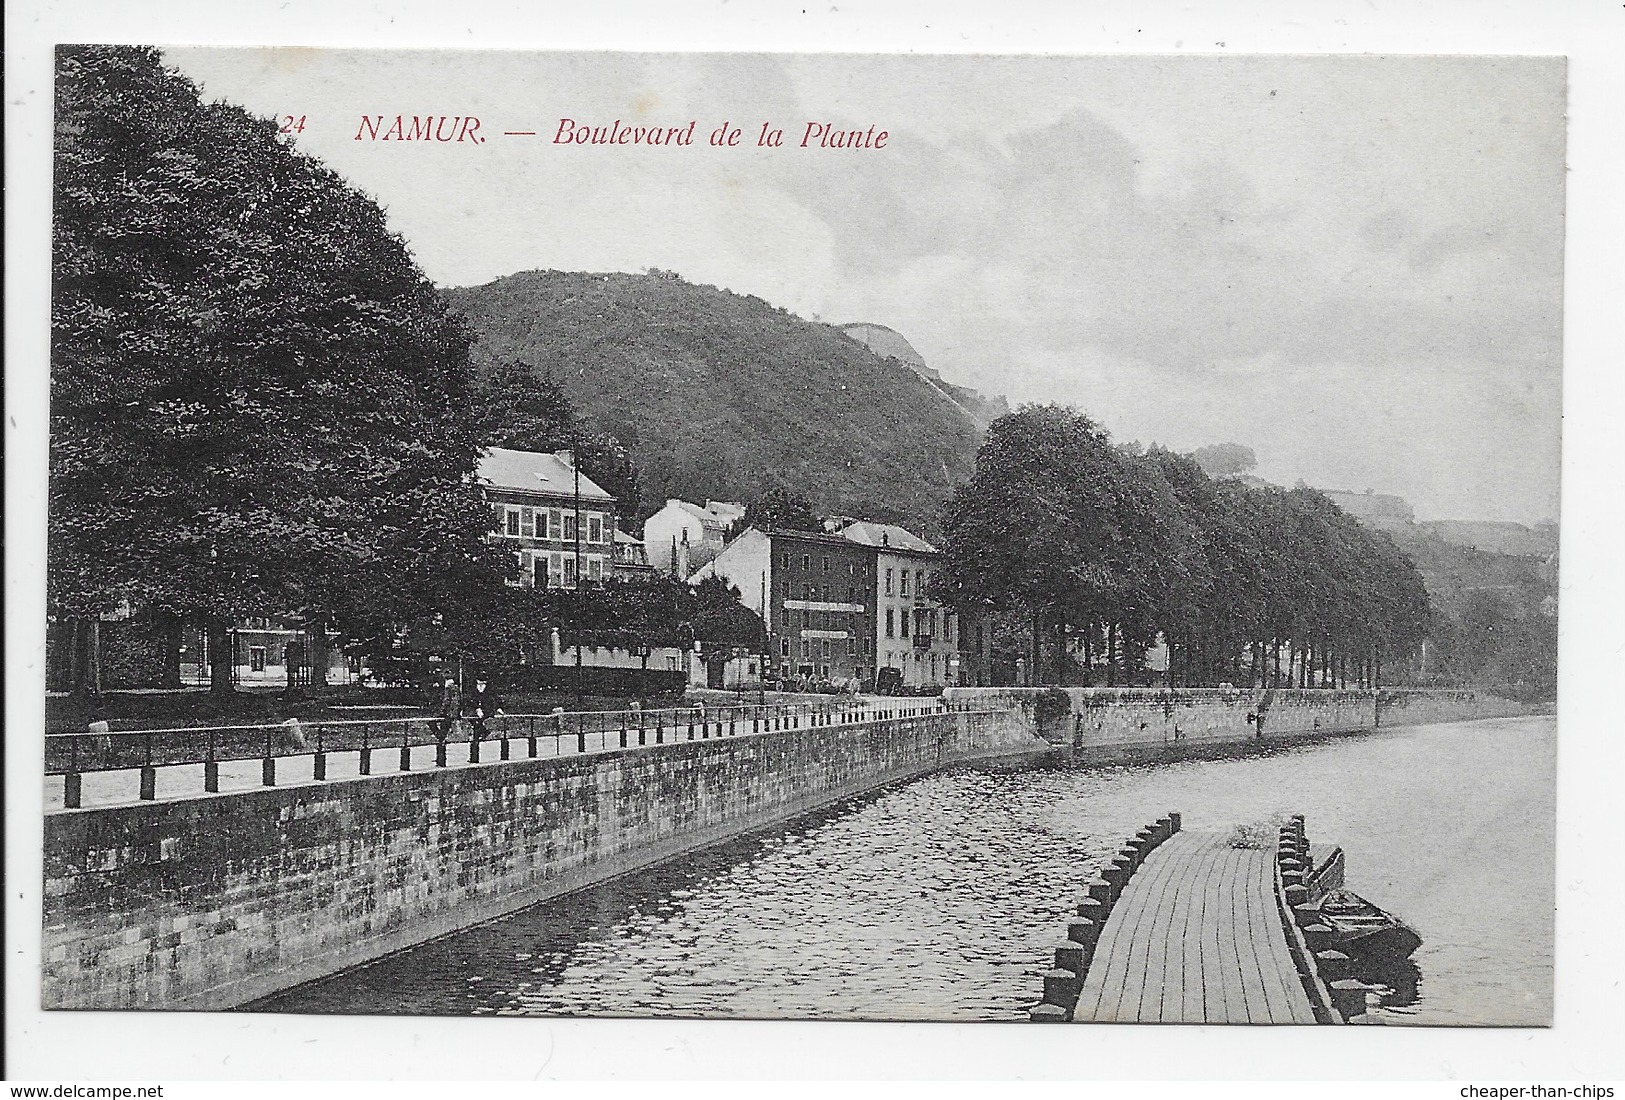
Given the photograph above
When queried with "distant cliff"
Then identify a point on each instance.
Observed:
(890, 344)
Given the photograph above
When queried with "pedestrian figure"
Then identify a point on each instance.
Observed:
(484, 704)
(451, 706)
(451, 709)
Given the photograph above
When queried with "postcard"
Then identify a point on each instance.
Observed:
(818, 537)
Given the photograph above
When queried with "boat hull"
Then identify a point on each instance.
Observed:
(1365, 931)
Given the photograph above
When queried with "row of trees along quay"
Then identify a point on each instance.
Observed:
(1099, 549)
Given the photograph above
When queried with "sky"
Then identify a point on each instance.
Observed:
(1352, 265)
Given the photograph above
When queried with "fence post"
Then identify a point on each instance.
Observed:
(211, 768)
(581, 733)
(660, 728)
(506, 753)
(267, 765)
(406, 746)
(623, 729)
(474, 737)
(364, 764)
(72, 781)
(318, 762)
(441, 732)
(531, 737)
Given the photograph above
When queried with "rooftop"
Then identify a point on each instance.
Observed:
(535, 472)
(886, 535)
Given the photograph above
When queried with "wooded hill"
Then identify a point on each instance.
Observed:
(723, 396)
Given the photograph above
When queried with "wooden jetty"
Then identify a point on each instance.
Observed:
(1196, 937)
(1206, 928)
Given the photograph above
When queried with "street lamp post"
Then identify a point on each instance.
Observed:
(581, 587)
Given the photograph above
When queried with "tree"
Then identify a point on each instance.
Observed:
(519, 407)
(259, 403)
(1035, 528)
(1225, 459)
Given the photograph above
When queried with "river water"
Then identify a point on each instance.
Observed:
(941, 899)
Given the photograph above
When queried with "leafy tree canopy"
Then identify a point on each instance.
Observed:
(520, 407)
(1225, 459)
(259, 403)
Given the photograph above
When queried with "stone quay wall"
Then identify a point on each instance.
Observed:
(215, 901)
(1105, 719)
(1402, 707)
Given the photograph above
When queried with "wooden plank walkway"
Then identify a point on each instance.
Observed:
(1195, 938)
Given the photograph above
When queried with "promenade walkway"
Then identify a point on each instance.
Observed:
(184, 780)
(1195, 938)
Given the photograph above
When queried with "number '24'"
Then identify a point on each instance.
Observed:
(291, 125)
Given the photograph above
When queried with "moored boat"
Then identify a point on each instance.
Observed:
(1365, 931)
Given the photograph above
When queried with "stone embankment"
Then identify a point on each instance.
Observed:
(1110, 721)
(214, 901)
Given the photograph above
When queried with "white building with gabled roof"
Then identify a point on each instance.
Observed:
(537, 507)
(689, 535)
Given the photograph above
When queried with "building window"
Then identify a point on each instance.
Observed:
(569, 526)
(904, 590)
(569, 572)
(595, 569)
(891, 623)
(826, 649)
(888, 582)
(786, 559)
(806, 648)
(538, 571)
(902, 623)
(513, 522)
(784, 647)
(256, 658)
(852, 569)
(595, 528)
(806, 563)
(826, 563)
(919, 583)
(851, 647)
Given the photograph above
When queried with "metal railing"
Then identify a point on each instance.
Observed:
(477, 740)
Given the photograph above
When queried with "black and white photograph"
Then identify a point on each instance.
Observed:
(1042, 539)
